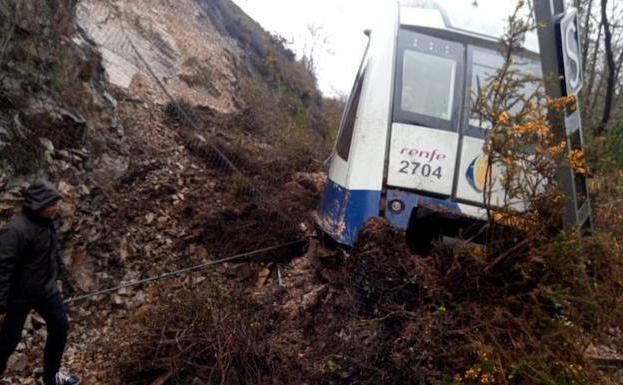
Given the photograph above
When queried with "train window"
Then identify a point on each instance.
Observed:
(348, 124)
(484, 64)
(429, 73)
(428, 85)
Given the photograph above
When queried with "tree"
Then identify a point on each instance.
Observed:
(316, 44)
(611, 69)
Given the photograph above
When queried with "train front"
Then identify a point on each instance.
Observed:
(414, 149)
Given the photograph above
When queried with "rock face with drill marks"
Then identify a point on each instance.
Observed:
(177, 39)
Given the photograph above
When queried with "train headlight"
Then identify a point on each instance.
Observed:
(396, 206)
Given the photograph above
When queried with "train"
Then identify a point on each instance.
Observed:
(408, 148)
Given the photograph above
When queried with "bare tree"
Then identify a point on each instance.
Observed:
(316, 44)
(587, 27)
(611, 69)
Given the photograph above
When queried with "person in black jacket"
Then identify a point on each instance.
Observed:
(31, 273)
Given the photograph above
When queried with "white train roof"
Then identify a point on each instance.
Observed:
(469, 22)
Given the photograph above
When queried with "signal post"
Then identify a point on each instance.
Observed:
(558, 32)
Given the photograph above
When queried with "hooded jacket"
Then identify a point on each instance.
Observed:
(30, 257)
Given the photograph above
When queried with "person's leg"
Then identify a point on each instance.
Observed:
(53, 312)
(11, 332)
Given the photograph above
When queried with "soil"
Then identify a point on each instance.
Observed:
(173, 208)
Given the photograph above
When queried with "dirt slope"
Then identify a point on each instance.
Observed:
(145, 191)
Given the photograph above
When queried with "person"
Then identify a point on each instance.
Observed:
(31, 273)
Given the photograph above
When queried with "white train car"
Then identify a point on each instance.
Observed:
(408, 149)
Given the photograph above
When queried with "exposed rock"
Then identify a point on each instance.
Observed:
(18, 362)
(186, 52)
(54, 88)
(109, 168)
(137, 198)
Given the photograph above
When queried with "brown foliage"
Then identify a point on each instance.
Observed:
(206, 333)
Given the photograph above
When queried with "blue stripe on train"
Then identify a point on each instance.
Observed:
(342, 212)
(410, 200)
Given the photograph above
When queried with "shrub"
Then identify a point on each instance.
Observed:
(204, 332)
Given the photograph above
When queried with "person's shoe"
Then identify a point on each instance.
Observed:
(66, 379)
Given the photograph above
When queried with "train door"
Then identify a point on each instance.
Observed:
(429, 90)
(482, 64)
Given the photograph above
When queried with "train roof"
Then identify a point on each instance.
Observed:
(431, 14)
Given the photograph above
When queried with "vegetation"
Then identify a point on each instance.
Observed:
(525, 308)
(531, 306)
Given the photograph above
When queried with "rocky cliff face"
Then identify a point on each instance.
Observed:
(175, 40)
(206, 52)
(122, 105)
(59, 64)
(55, 113)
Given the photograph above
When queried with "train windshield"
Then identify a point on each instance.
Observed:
(428, 85)
(430, 90)
(484, 64)
(429, 81)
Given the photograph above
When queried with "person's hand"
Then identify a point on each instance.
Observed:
(2, 317)
(59, 285)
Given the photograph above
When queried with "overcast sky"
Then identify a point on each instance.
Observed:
(342, 23)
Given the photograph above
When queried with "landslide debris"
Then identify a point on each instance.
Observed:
(383, 315)
(144, 194)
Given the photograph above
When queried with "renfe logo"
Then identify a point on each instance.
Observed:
(425, 154)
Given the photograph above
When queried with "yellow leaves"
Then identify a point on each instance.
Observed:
(557, 149)
(483, 372)
(518, 129)
(543, 129)
(475, 375)
(594, 185)
(576, 161)
(575, 369)
(560, 104)
(503, 118)
(556, 198)
(477, 251)
(530, 127)
(472, 373)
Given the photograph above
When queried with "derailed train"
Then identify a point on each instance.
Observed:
(409, 148)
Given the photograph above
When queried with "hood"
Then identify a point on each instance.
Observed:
(40, 194)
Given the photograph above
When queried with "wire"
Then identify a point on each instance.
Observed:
(185, 270)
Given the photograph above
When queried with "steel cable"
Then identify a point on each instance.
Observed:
(185, 270)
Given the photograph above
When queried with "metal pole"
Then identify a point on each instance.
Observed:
(556, 27)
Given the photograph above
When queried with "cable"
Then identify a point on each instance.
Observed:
(184, 271)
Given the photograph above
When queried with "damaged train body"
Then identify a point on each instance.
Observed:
(409, 148)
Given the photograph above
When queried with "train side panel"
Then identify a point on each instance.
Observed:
(354, 185)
